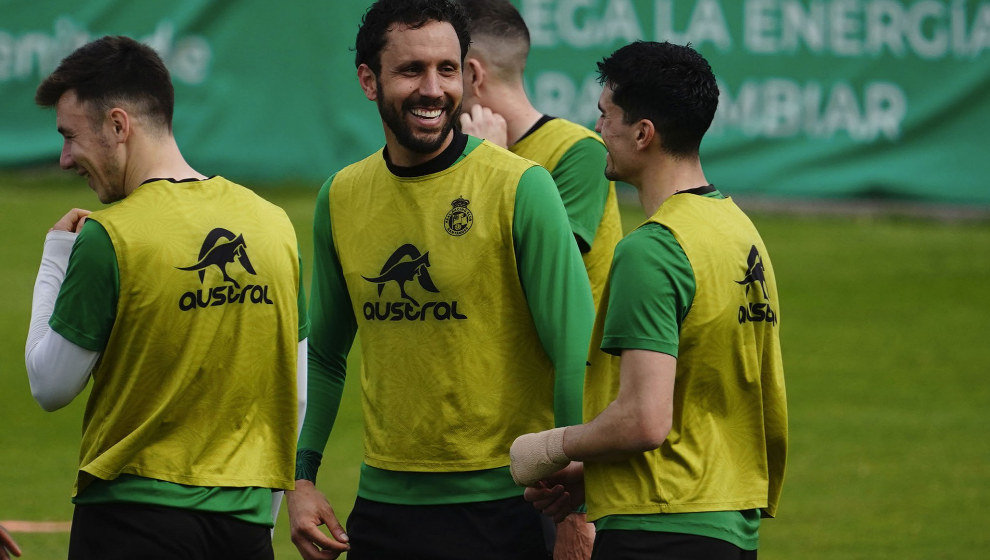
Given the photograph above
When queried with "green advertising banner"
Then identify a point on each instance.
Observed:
(819, 98)
(264, 90)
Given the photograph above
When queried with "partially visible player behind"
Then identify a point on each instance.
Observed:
(183, 303)
(686, 436)
(497, 109)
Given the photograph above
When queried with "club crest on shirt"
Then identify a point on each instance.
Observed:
(459, 220)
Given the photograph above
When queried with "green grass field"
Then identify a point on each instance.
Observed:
(883, 326)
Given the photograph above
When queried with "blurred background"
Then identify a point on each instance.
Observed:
(853, 131)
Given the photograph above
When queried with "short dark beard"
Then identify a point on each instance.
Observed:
(404, 134)
(611, 174)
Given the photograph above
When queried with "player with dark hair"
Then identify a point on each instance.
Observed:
(685, 441)
(497, 109)
(453, 260)
(183, 302)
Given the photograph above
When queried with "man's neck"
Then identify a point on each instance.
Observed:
(510, 101)
(519, 120)
(157, 160)
(404, 157)
(439, 162)
(666, 177)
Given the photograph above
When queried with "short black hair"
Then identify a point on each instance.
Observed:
(384, 14)
(497, 18)
(671, 85)
(109, 71)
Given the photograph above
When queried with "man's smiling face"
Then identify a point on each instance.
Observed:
(419, 87)
(88, 147)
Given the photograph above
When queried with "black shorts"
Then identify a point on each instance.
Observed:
(129, 531)
(621, 544)
(508, 529)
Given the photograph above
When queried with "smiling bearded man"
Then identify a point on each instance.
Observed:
(487, 343)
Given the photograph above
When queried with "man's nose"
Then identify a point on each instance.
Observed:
(65, 160)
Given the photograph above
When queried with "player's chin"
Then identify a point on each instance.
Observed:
(432, 138)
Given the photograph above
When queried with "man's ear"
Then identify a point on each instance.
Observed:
(119, 123)
(474, 75)
(645, 134)
(368, 81)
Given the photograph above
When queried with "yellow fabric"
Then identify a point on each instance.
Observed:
(546, 145)
(448, 343)
(727, 445)
(197, 382)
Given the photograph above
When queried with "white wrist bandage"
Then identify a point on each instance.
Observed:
(536, 456)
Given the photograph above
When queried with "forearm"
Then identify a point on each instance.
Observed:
(325, 387)
(616, 432)
(57, 369)
(639, 418)
(301, 369)
(332, 330)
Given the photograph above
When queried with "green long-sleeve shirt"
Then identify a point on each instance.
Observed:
(558, 295)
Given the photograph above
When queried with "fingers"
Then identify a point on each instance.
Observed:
(72, 221)
(308, 510)
(554, 502)
(7, 544)
(481, 114)
(543, 497)
(560, 510)
(338, 533)
(314, 543)
(311, 534)
(481, 122)
(310, 551)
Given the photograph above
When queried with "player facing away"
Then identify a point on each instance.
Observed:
(183, 303)
(453, 260)
(496, 108)
(684, 447)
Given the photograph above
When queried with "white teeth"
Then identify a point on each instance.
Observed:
(427, 114)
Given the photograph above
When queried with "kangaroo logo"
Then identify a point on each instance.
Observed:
(754, 273)
(220, 248)
(405, 264)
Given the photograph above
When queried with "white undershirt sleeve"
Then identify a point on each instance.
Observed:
(301, 373)
(57, 368)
